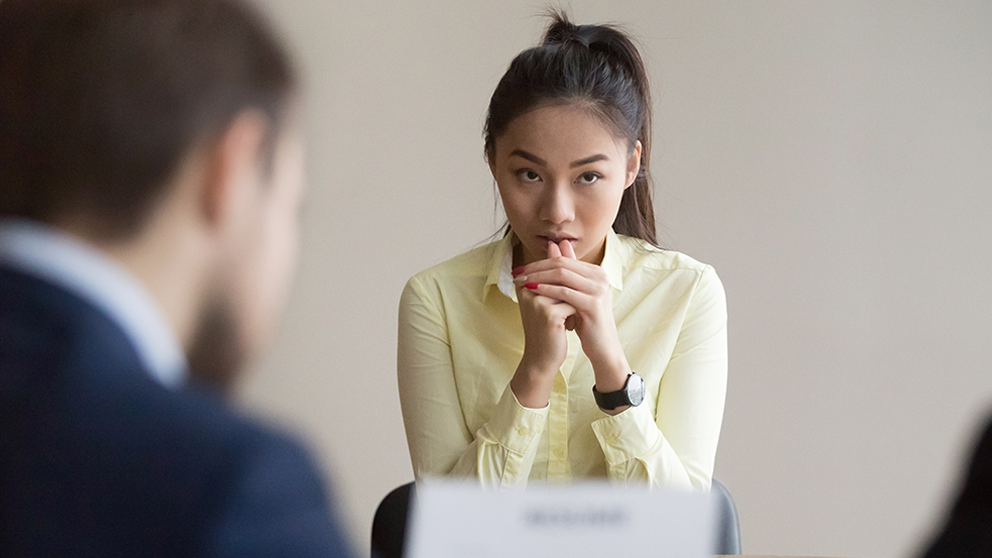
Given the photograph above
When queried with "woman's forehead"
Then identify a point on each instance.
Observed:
(560, 133)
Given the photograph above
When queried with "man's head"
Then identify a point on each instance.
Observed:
(163, 132)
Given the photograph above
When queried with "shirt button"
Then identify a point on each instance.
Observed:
(558, 452)
(522, 430)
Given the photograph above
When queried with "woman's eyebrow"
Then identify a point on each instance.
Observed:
(587, 160)
(535, 159)
(529, 156)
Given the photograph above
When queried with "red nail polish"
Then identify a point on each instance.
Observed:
(531, 286)
(517, 271)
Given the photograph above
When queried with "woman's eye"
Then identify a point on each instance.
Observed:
(589, 178)
(529, 176)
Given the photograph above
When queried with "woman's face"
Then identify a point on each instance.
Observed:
(561, 174)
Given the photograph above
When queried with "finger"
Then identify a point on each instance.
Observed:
(553, 250)
(563, 277)
(552, 306)
(579, 266)
(566, 249)
(558, 293)
(558, 312)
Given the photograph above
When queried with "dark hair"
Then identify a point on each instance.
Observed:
(598, 67)
(101, 100)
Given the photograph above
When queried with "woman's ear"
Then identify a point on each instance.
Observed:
(491, 159)
(633, 164)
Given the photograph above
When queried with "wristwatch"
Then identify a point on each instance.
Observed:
(632, 393)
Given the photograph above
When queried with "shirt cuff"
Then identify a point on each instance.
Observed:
(627, 435)
(514, 426)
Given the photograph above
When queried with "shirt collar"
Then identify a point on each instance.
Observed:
(501, 267)
(613, 259)
(83, 270)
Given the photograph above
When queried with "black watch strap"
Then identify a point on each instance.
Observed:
(632, 393)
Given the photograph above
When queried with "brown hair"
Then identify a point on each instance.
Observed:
(598, 66)
(101, 100)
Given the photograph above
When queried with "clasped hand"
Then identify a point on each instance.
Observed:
(559, 294)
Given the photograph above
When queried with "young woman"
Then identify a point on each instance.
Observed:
(573, 347)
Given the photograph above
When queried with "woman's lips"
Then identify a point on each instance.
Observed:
(555, 239)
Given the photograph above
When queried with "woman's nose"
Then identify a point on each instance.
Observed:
(558, 205)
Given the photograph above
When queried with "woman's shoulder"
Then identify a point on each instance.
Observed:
(648, 268)
(640, 254)
(457, 280)
(476, 262)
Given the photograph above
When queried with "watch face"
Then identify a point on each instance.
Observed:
(635, 389)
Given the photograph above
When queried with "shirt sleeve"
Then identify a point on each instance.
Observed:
(677, 446)
(500, 453)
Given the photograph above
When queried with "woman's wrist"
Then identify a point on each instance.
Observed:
(611, 375)
(532, 385)
(611, 371)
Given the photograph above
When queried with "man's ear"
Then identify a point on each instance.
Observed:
(633, 164)
(231, 165)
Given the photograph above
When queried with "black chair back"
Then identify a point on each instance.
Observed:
(389, 523)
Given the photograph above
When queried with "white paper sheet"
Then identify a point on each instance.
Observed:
(594, 519)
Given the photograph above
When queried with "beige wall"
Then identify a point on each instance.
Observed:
(832, 160)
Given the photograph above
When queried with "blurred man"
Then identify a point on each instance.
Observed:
(968, 532)
(150, 176)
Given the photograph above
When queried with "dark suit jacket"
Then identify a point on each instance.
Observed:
(969, 529)
(99, 459)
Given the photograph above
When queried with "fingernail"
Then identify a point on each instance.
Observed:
(517, 271)
(531, 286)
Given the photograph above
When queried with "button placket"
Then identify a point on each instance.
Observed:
(559, 468)
(558, 465)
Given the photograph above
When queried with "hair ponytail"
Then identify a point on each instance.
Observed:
(598, 66)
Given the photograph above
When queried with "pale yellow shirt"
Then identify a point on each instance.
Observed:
(461, 339)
